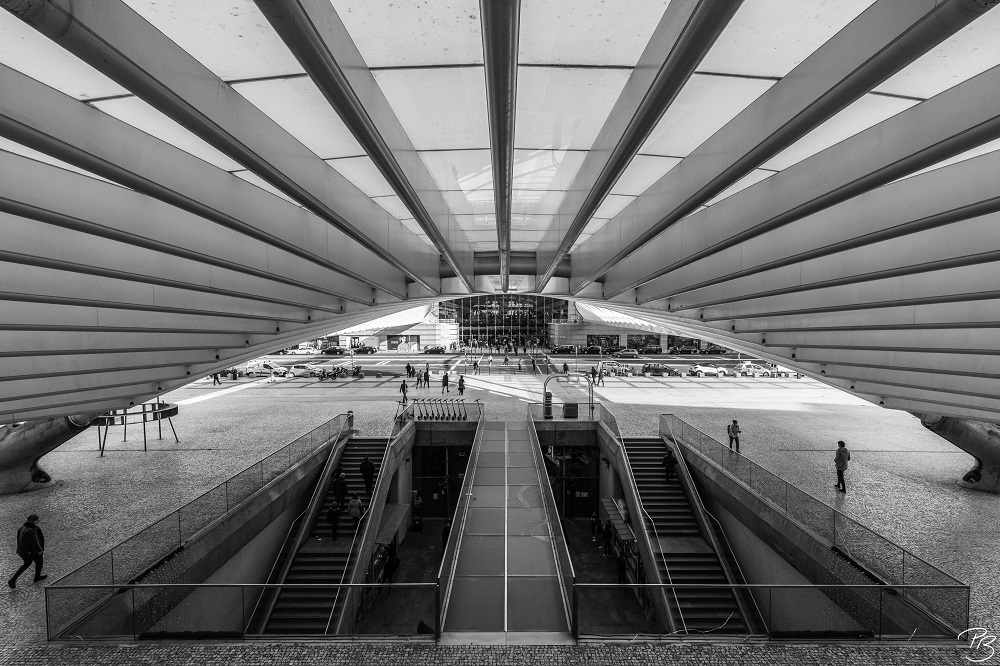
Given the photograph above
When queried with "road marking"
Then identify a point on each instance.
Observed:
(216, 394)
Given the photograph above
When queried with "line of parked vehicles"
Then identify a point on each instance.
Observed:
(628, 352)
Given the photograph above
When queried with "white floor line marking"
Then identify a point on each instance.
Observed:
(216, 394)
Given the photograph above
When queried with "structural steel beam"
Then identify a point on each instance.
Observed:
(881, 41)
(685, 33)
(53, 123)
(839, 198)
(115, 40)
(501, 27)
(317, 37)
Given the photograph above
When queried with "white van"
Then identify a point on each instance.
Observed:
(265, 369)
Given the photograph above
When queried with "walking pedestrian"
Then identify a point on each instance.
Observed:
(427, 378)
(566, 368)
(215, 379)
(444, 383)
(593, 374)
(402, 389)
(461, 384)
(840, 460)
(475, 367)
(734, 435)
(595, 526)
(668, 465)
(368, 474)
(489, 363)
(506, 360)
(608, 533)
(339, 488)
(409, 370)
(420, 379)
(534, 366)
(444, 534)
(600, 377)
(30, 546)
(333, 517)
(354, 509)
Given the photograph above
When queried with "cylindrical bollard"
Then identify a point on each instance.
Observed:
(547, 410)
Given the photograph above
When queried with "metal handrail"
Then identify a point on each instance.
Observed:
(547, 485)
(458, 530)
(649, 519)
(393, 435)
(722, 530)
(270, 574)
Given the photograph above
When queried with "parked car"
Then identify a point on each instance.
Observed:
(702, 369)
(564, 349)
(782, 371)
(612, 349)
(265, 369)
(713, 349)
(365, 349)
(303, 350)
(659, 370)
(280, 351)
(685, 349)
(593, 349)
(302, 370)
(652, 349)
(626, 353)
(746, 368)
(331, 351)
(616, 369)
(434, 349)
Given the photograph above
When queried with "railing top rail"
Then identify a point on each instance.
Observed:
(833, 510)
(310, 586)
(123, 586)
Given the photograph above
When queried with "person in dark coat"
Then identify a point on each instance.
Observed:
(339, 488)
(668, 465)
(333, 517)
(609, 531)
(840, 461)
(427, 378)
(368, 474)
(444, 383)
(402, 389)
(461, 384)
(30, 546)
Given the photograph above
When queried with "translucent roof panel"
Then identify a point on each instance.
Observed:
(867, 111)
(564, 107)
(364, 175)
(230, 37)
(595, 225)
(476, 222)
(474, 202)
(587, 32)
(141, 115)
(300, 108)
(464, 170)
(771, 37)
(643, 171)
(253, 178)
(394, 206)
(546, 169)
(746, 181)
(389, 33)
(535, 202)
(703, 106)
(16, 148)
(612, 205)
(29, 52)
(440, 109)
(972, 50)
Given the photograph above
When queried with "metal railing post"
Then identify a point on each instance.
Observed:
(437, 611)
(576, 613)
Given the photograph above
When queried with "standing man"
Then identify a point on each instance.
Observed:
(427, 378)
(444, 383)
(600, 377)
(333, 517)
(489, 362)
(461, 384)
(475, 367)
(30, 546)
(506, 360)
(593, 374)
(840, 459)
(402, 389)
(566, 368)
(420, 379)
(668, 465)
(368, 474)
(534, 366)
(215, 379)
(734, 431)
(339, 488)
(409, 370)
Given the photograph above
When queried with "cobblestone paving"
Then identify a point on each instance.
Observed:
(901, 483)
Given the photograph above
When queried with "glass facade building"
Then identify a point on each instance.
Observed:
(504, 319)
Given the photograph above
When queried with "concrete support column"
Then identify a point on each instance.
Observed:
(979, 439)
(23, 444)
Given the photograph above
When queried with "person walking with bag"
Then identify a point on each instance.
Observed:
(354, 509)
(402, 389)
(840, 460)
(733, 430)
(368, 474)
(461, 384)
(30, 546)
(444, 383)
(333, 517)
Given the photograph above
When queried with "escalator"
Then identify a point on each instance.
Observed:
(320, 559)
(685, 555)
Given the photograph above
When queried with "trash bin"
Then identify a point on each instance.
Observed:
(571, 410)
(547, 407)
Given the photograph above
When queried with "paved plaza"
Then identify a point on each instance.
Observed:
(901, 483)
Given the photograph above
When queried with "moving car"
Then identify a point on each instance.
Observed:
(265, 369)
(612, 349)
(564, 349)
(652, 349)
(593, 349)
(303, 370)
(434, 349)
(626, 353)
(659, 370)
(702, 369)
(331, 351)
(713, 349)
(365, 349)
(685, 349)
